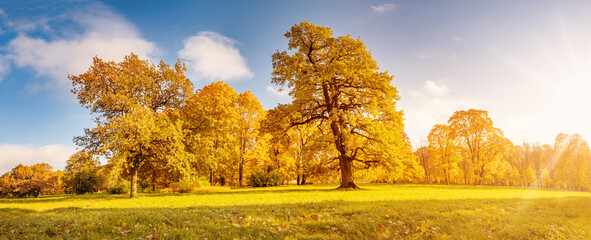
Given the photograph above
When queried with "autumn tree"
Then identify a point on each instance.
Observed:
(30, 181)
(275, 128)
(523, 160)
(211, 122)
(336, 85)
(479, 140)
(497, 151)
(573, 166)
(250, 114)
(541, 155)
(132, 102)
(82, 174)
(422, 154)
(501, 172)
(549, 176)
(444, 152)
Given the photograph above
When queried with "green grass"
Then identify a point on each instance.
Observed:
(306, 212)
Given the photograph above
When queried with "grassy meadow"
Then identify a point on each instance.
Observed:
(306, 212)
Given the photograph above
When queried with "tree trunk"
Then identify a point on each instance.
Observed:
(345, 161)
(133, 191)
(303, 179)
(465, 167)
(241, 166)
(211, 183)
(154, 181)
(298, 179)
(481, 175)
(346, 165)
(240, 173)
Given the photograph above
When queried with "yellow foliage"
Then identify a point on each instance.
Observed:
(337, 86)
(133, 103)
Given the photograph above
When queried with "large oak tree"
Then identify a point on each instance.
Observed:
(336, 85)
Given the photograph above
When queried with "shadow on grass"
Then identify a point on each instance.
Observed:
(14, 211)
(240, 191)
(106, 196)
(62, 198)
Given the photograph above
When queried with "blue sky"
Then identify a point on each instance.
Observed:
(527, 62)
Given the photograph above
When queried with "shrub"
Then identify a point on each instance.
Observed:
(188, 185)
(264, 179)
(122, 187)
(181, 187)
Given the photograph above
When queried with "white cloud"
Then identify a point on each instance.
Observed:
(12, 155)
(214, 56)
(382, 8)
(428, 105)
(105, 34)
(283, 93)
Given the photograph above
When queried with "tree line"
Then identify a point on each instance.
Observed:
(156, 132)
(470, 150)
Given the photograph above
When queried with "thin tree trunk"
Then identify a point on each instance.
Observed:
(240, 173)
(153, 180)
(241, 166)
(211, 177)
(465, 172)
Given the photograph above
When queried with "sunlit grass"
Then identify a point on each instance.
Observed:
(312, 211)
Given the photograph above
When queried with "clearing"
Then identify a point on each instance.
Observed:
(380, 211)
